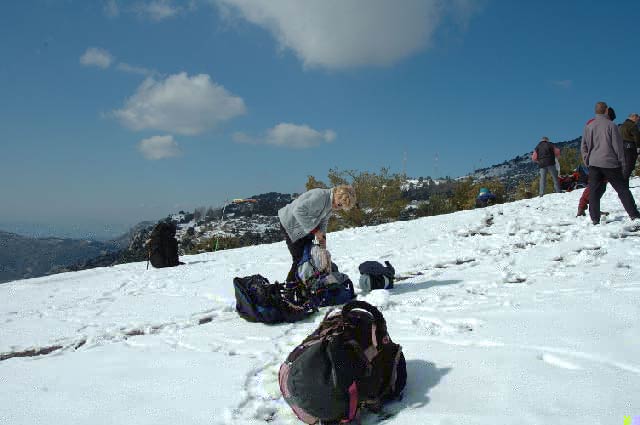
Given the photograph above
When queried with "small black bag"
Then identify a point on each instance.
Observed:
(374, 275)
(257, 300)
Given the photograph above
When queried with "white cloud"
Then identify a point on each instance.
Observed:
(111, 8)
(95, 56)
(157, 10)
(101, 58)
(339, 34)
(565, 84)
(179, 104)
(159, 147)
(132, 69)
(289, 135)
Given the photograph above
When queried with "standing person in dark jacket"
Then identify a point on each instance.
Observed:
(631, 142)
(603, 152)
(545, 155)
(307, 218)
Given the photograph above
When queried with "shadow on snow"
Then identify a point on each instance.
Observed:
(405, 287)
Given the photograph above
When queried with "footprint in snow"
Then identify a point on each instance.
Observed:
(558, 362)
(437, 327)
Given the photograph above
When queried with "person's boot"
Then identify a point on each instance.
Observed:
(580, 212)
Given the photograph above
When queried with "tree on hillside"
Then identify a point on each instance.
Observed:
(198, 213)
(523, 191)
(569, 159)
(466, 191)
(211, 214)
(436, 204)
(312, 183)
(380, 196)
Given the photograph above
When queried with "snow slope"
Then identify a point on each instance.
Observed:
(518, 313)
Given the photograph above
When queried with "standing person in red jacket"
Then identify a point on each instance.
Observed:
(545, 155)
(584, 199)
(603, 152)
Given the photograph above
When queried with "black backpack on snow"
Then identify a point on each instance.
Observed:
(257, 300)
(374, 275)
(347, 363)
(163, 245)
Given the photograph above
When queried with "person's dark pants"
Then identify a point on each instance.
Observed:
(630, 157)
(297, 251)
(597, 184)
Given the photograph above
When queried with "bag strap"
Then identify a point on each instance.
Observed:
(361, 305)
(306, 253)
(381, 333)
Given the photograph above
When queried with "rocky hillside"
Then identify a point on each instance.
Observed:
(251, 222)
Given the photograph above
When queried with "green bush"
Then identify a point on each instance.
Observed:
(312, 183)
(380, 197)
(569, 159)
(436, 204)
(465, 193)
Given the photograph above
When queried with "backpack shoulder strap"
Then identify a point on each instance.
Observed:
(306, 253)
(381, 324)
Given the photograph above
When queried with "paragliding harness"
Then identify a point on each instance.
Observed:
(257, 300)
(347, 363)
(581, 174)
(578, 179)
(163, 246)
(317, 287)
(567, 182)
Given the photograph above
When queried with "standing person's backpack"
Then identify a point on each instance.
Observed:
(349, 362)
(374, 275)
(163, 245)
(257, 300)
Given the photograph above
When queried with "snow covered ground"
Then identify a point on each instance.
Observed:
(515, 314)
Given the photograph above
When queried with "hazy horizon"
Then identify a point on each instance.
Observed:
(78, 230)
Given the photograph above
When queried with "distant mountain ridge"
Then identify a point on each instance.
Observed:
(23, 257)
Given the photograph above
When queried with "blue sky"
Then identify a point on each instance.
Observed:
(114, 112)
